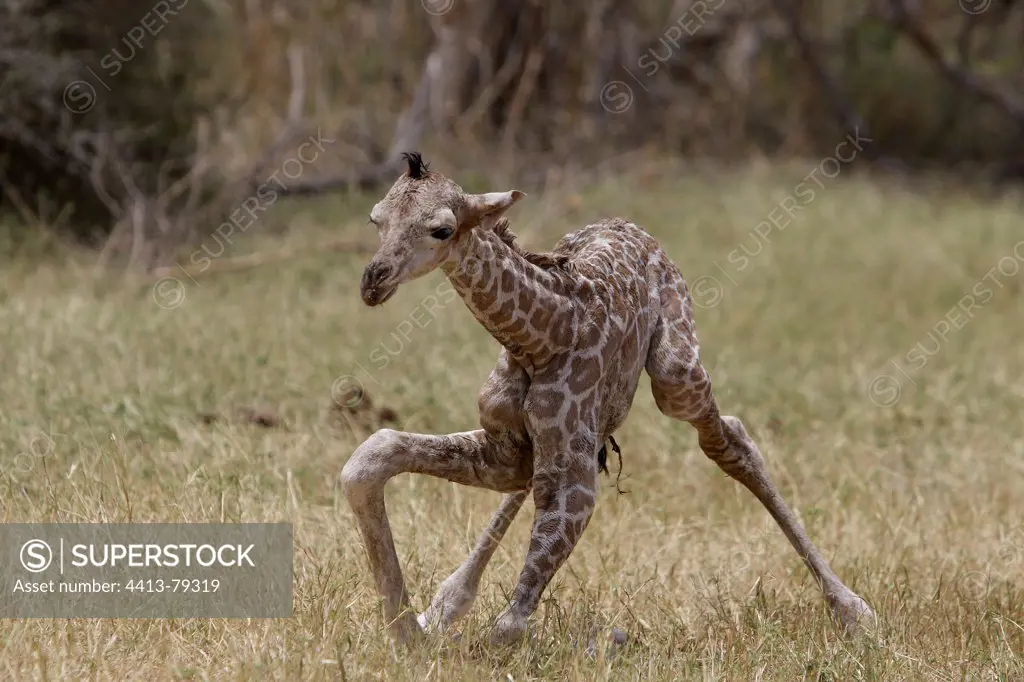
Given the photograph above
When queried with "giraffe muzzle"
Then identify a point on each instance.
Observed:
(375, 287)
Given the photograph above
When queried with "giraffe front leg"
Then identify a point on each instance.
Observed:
(469, 458)
(565, 485)
(456, 595)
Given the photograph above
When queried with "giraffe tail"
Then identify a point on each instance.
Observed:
(602, 462)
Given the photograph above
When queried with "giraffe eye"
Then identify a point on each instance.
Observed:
(442, 233)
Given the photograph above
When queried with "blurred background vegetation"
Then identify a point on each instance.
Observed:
(137, 127)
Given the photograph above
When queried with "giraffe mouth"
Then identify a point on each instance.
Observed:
(379, 295)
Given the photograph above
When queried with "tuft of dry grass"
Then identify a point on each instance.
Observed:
(911, 488)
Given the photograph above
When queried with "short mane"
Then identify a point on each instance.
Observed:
(546, 261)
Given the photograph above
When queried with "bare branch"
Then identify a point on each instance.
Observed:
(909, 24)
(408, 131)
(296, 102)
(840, 103)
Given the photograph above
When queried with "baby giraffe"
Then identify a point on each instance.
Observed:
(576, 327)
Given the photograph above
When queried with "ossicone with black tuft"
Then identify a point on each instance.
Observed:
(417, 166)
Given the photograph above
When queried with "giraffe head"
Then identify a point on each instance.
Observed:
(419, 221)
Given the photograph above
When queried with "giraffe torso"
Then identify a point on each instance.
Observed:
(613, 275)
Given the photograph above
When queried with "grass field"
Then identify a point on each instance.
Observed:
(857, 343)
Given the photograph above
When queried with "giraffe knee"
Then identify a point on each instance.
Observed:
(734, 426)
(739, 434)
(743, 454)
(366, 469)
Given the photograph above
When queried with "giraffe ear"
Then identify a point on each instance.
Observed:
(485, 209)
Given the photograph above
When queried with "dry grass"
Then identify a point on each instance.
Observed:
(917, 503)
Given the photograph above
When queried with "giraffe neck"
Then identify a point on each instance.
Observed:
(526, 308)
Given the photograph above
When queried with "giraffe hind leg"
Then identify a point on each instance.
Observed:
(682, 390)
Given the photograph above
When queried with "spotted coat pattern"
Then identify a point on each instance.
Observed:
(577, 327)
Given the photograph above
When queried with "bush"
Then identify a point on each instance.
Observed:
(96, 108)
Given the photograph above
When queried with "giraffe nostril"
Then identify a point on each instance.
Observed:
(373, 288)
(375, 274)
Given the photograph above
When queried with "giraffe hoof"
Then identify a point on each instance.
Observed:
(406, 630)
(508, 629)
(852, 612)
(616, 640)
(433, 628)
